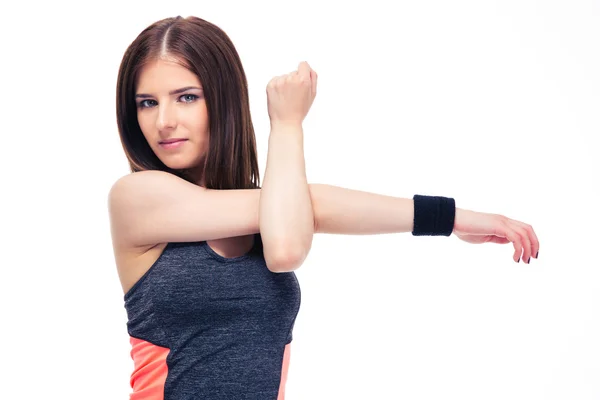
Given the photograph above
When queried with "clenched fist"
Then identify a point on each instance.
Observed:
(289, 97)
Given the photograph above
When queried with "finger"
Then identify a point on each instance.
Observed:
(280, 80)
(525, 241)
(291, 77)
(506, 231)
(313, 80)
(535, 243)
(275, 83)
(304, 70)
(271, 83)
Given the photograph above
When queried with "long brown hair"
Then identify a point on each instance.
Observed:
(206, 50)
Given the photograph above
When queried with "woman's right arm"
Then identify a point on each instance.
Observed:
(151, 207)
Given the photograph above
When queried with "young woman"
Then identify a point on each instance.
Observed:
(205, 255)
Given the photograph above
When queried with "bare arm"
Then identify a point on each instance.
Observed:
(141, 215)
(339, 210)
(151, 207)
(286, 220)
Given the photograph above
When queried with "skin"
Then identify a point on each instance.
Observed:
(164, 116)
(286, 216)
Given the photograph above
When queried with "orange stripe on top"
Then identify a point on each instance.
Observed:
(284, 372)
(150, 370)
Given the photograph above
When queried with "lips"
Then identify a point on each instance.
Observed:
(171, 141)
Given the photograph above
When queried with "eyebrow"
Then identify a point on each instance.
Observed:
(172, 92)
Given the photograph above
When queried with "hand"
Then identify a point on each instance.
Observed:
(289, 97)
(475, 227)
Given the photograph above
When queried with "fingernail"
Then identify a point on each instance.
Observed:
(528, 260)
(538, 253)
(518, 259)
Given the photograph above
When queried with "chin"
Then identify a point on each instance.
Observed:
(182, 163)
(179, 165)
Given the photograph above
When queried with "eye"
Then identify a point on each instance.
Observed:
(188, 98)
(146, 103)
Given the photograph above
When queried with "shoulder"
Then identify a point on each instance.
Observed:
(137, 179)
(139, 185)
(133, 190)
(128, 199)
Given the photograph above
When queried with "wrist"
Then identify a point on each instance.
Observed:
(433, 215)
(286, 126)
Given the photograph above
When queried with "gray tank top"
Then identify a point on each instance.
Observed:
(223, 323)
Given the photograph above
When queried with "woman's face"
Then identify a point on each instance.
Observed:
(172, 114)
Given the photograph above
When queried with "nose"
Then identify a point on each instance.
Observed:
(166, 118)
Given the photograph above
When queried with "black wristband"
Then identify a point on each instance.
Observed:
(434, 215)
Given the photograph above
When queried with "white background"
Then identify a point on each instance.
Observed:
(494, 103)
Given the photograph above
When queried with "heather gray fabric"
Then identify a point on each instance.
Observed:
(225, 321)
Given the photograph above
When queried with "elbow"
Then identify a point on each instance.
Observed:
(287, 260)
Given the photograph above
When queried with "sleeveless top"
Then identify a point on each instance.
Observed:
(203, 326)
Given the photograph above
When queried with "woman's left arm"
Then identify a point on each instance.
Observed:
(286, 220)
